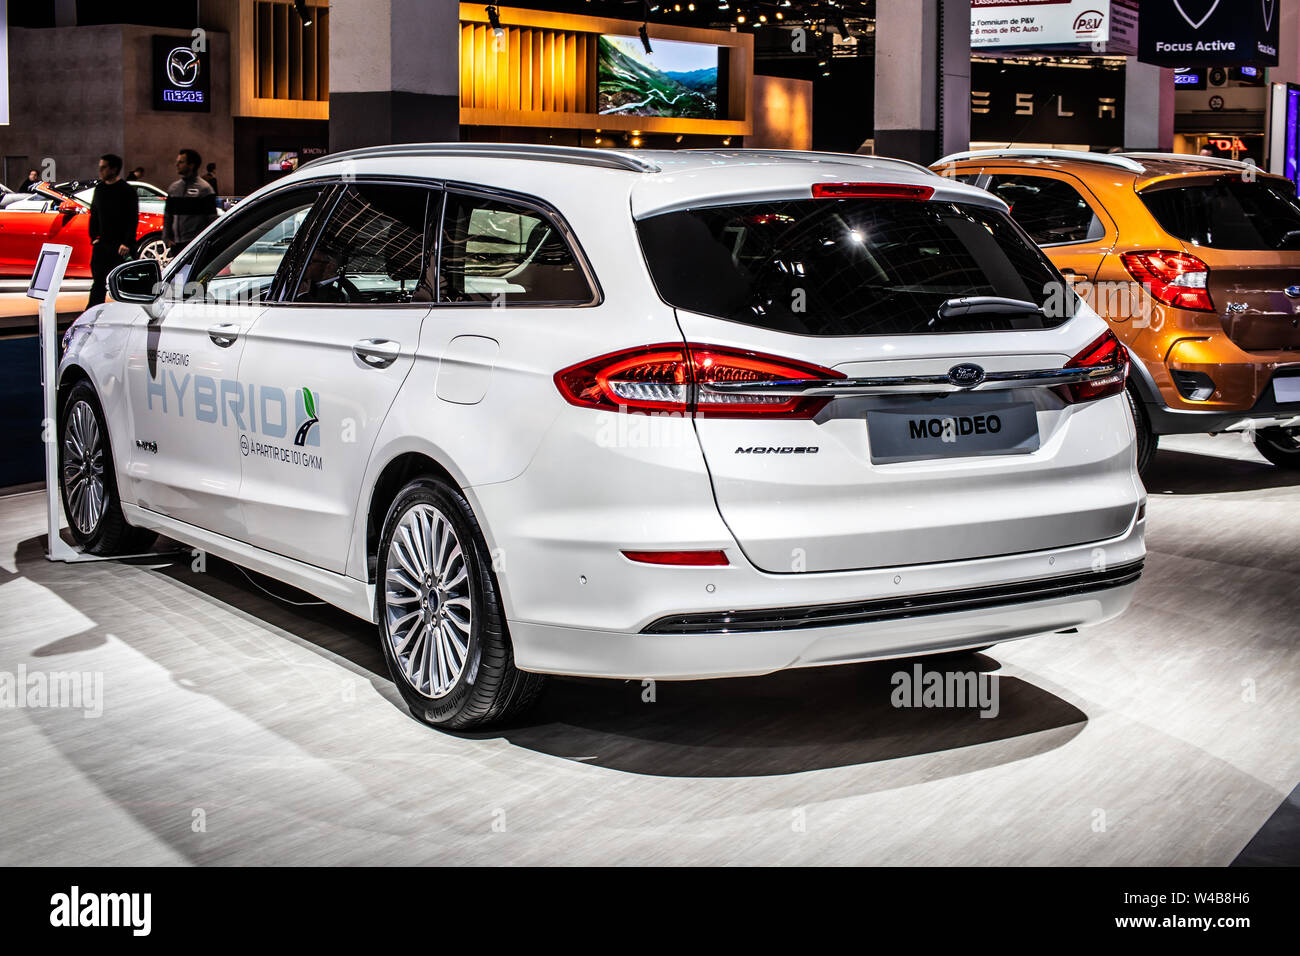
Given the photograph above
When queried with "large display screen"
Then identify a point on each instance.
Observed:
(677, 79)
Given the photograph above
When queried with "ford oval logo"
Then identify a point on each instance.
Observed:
(1292, 291)
(966, 375)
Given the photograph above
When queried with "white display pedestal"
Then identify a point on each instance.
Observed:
(47, 278)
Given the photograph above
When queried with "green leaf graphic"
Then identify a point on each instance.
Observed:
(308, 402)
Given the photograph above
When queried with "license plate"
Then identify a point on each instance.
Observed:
(967, 431)
(1286, 389)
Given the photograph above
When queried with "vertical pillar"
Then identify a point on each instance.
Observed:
(394, 72)
(922, 78)
(1148, 107)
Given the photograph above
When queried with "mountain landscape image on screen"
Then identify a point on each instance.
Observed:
(678, 79)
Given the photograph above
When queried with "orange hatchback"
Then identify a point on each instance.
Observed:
(1194, 261)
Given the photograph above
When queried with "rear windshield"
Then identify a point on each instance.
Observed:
(848, 266)
(1229, 214)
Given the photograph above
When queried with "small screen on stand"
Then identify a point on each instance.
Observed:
(44, 274)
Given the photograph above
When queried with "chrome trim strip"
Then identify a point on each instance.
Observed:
(755, 620)
(917, 384)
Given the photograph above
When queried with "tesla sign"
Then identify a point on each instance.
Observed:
(180, 76)
(1209, 32)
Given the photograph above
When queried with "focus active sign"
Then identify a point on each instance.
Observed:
(180, 76)
(1209, 32)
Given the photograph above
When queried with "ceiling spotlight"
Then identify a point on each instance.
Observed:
(304, 14)
(494, 18)
(645, 37)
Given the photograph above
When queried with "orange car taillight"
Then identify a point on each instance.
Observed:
(675, 378)
(1104, 351)
(1174, 278)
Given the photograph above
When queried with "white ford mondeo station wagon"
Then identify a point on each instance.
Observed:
(538, 410)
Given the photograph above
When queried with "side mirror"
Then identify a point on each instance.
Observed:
(69, 207)
(136, 281)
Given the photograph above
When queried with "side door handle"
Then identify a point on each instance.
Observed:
(224, 334)
(377, 353)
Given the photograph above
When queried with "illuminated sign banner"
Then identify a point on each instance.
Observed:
(180, 76)
(1017, 23)
(1209, 32)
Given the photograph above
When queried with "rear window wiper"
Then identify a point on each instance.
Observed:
(986, 305)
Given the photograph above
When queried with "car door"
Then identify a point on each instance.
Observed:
(337, 345)
(192, 415)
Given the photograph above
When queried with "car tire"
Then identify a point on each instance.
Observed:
(439, 613)
(88, 480)
(1147, 440)
(152, 247)
(1281, 446)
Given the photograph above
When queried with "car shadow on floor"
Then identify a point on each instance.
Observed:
(1187, 473)
(785, 723)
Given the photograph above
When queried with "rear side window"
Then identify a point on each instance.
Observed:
(502, 253)
(1229, 214)
(1050, 210)
(846, 267)
(371, 250)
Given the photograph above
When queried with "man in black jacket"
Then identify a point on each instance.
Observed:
(114, 218)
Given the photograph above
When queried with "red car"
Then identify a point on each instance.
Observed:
(47, 215)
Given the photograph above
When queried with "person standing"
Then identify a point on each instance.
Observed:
(33, 178)
(137, 174)
(191, 203)
(210, 177)
(114, 219)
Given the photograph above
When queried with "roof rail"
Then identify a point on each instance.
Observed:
(1189, 158)
(1108, 159)
(811, 155)
(608, 158)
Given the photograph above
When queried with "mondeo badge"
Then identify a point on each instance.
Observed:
(966, 375)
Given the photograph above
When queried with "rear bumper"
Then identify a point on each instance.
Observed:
(1188, 420)
(579, 652)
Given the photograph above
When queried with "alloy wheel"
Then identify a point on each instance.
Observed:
(83, 468)
(427, 599)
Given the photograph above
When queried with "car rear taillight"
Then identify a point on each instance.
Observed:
(675, 378)
(1174, 278)
(871, 191)
(1105, 351)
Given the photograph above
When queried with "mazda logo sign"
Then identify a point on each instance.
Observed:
(965, 375)
(182, 66)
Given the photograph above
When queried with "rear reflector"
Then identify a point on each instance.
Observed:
(1105, 350)
(1174, 278)
(679, 558)
(871, 191)
(676, 378)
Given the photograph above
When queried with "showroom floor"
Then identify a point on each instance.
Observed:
(237, 729)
